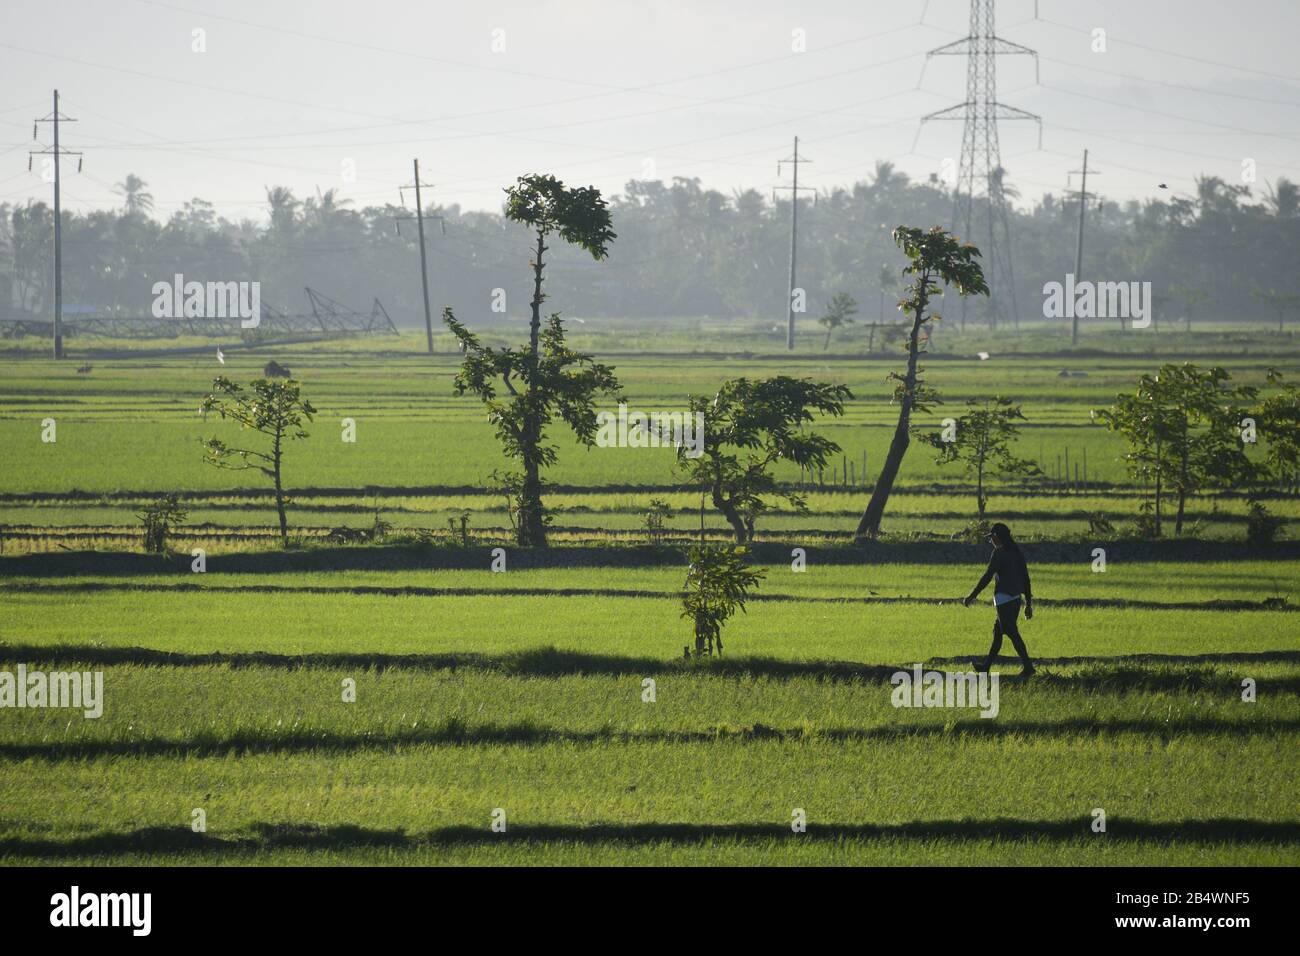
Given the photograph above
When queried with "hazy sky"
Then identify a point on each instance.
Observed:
(343, 94)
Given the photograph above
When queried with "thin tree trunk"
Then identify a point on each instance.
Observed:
(731, 514)
(1159, 475)
(532, 528)
(279, 493)
(1182, 499)
(869, 526)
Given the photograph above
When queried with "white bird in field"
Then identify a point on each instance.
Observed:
(220, 357)
(984, 356)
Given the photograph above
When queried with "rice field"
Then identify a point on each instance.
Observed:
(395, 700)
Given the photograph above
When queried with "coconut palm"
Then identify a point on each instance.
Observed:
(139, 202)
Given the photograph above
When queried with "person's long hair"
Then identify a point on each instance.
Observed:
(1004, 534)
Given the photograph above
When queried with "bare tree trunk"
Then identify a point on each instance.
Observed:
(531, 532)
(279, 492)
(1159, 476)
(869, 526)
(732, 515)
(1182, 499)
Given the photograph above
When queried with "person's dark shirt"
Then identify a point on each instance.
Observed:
(1011, 572)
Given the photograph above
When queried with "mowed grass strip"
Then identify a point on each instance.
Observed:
(1228, 797)
(215, 710)
(588, 772)
(109, 455)
(1139, 584)
(219, 529)
(314, 622)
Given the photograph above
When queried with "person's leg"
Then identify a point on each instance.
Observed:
(997, 646)
(1007, 614)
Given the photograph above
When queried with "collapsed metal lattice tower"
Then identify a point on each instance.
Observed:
(980, 202)
(334, 317)
(328, 318)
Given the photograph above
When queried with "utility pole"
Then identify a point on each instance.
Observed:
(1078, 250)
(56, 152)
(794, 233)
(424, 266)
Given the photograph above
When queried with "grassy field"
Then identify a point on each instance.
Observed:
(524, 692)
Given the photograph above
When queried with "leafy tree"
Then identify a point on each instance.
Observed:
(748, 427)
(1262, 526)
(275, 409)
(1277, 420)
(934, 257)
(655, 516)
(888, 282)
(1191, 297)
(982, 443)
(283, 207)
(1182, 429)
(718, 583)
(546, 377)
(686, 250)
(839, 313)
(157, 520)
(1280, 302)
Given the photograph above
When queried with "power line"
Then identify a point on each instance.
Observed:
(1172, 85)
(1167, 115)
(608, 89)
(1182, 56)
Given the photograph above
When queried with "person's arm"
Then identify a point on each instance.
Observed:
(983, 583)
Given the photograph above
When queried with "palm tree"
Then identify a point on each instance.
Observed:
(138, 200)
(998, 184)
(886, 178)
(284, 209)
(325, 208)
(1285, 199)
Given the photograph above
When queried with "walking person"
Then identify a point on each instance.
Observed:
(1011, 589)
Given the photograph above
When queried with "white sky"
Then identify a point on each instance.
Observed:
(601, 91)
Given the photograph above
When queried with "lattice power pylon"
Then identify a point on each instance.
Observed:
(980, 206)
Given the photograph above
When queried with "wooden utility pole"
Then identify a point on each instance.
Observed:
(1078, 249)
(794, 235)
(424, 264)
(55, 118)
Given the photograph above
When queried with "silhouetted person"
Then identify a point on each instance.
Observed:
(1008, 566)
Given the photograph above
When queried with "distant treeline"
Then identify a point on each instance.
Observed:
(1229, 252)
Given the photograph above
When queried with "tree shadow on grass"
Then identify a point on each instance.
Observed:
(307, 836)
(459, 733)
(1277, 603)
(1135, 672)
(386, 557)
